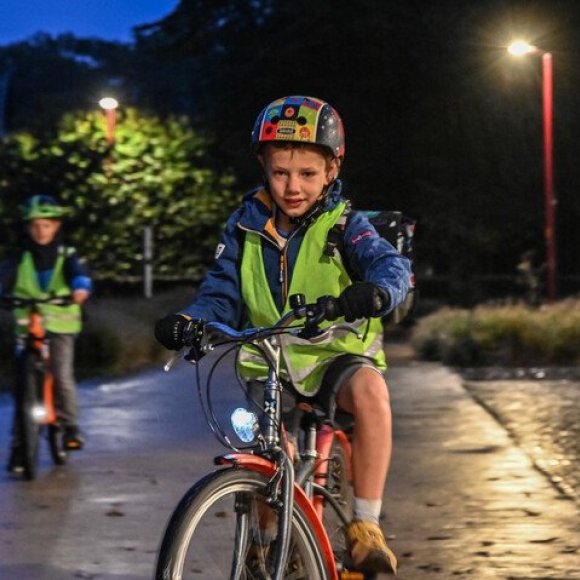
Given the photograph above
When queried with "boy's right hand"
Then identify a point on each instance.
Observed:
(169, 330)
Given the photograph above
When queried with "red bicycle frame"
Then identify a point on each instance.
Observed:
(265, 467)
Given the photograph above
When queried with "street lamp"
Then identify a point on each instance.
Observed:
(109, 106)
(521, 48)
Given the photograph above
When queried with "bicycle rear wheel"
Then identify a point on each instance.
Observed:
(340, 489)
(29, 400)
(216, 532)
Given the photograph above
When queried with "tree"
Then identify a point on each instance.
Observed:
(156, 174)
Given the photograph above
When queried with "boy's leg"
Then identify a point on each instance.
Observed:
(62, 354)
(364, 394)
(16, 459)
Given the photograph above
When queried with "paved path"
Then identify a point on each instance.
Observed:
(462, 502)
(543, 416)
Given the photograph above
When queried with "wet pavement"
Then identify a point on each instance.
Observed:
(463, 500)
(543, 417)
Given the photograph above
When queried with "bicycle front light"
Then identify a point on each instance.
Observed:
(39, 413)
(245, 424)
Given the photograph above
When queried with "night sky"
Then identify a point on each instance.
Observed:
(104, 19)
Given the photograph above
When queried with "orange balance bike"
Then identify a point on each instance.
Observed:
(34, 390)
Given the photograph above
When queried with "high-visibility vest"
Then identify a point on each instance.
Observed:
(315, 274)
(57, 319)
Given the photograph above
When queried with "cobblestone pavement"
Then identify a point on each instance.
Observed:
(543, 417)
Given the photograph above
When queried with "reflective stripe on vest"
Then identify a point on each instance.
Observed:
(58, 319)
(315, 274)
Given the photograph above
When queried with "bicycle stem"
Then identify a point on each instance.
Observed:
(272, 402)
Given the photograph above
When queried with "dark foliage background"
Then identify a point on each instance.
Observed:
(441, 122)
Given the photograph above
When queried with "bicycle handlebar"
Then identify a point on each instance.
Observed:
(203, 337)
(9, 301)
(199, 338)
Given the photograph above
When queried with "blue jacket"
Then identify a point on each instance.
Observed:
(373, 258)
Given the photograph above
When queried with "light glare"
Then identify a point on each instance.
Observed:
(108, 103)
(520, 47)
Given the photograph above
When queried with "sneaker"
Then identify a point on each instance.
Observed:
(16, 461)
(72, 439)
(368, 548)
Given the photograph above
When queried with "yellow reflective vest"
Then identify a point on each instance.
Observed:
(314, 275)
(57, 319)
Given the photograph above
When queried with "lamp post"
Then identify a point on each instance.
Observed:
(109, 106)
(521, 48)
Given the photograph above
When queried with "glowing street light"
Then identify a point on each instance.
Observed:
(521, 48)
(109, 106)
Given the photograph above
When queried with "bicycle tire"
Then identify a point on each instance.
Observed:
(218, 512)
(30, 389)
(340, 488)
(56, 445)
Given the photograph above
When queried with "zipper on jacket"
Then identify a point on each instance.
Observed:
(283, 261)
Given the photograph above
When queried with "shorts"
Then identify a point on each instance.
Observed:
(339, 370)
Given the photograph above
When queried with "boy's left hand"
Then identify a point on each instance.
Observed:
(80, 296)
(362, 300)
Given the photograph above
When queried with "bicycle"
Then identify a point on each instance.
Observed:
(259, 515)
(35, 397)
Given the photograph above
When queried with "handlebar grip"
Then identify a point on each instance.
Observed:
(192, 333)
(332, 309)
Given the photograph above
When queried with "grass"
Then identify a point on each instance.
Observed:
(508, 335)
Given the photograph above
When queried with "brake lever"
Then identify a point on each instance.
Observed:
(174, 358)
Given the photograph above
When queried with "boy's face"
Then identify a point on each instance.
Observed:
(43, 230)
(297, 178)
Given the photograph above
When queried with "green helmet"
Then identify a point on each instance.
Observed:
(42, 206)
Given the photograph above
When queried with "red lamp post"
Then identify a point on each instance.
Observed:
(518, 49)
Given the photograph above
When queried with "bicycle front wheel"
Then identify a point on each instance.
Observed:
(56, 444)
(29, 400)
(222, 529)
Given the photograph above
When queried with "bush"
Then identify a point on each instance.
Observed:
(501, 335)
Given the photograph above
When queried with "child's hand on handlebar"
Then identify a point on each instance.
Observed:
(80, 296)
(175, 331)
(362, 300)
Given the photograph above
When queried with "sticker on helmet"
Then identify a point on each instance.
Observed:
(219, 250)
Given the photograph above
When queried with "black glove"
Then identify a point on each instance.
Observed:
(169, 330)
(362, 300)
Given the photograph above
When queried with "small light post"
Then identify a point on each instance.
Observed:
(521, 48)
(109, 106)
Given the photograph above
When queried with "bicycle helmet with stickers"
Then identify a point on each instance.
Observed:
(300, 119)
(42, 206)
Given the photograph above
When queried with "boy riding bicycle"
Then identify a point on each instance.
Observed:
(45, 266)
(277, 244)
